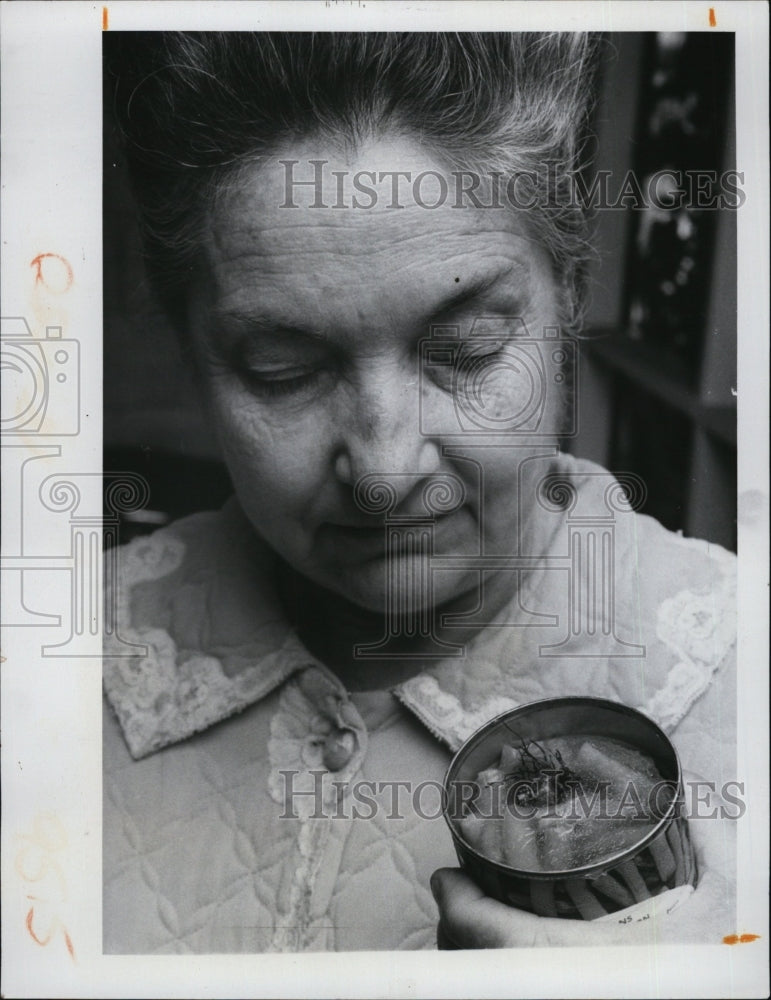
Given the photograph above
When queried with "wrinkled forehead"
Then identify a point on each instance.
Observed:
(380, 195)
(308, 234)
(298, 253)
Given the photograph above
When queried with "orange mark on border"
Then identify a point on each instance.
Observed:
(740, 938)
(32, 934)
(44, 941)
(712, 18)
(53, 271)
(68, 942)
(105, 19)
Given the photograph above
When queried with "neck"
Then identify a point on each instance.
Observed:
(332, 628)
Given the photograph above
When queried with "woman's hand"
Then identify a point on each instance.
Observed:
(470, 919)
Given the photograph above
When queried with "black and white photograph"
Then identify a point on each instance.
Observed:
(402, 499)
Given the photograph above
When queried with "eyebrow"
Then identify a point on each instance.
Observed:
(477, 286)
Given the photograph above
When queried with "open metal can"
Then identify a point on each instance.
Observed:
(662, 858)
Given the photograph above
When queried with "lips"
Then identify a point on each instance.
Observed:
(371, 539)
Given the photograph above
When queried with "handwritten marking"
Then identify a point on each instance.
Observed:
(740, 938)
(34, 863)
(712, 18)
(32, 934)
(637, 920)
(105, 19)
(53, 271)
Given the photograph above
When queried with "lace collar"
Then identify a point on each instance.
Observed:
(200, 634)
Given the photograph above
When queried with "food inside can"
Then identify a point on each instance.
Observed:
(562, 804)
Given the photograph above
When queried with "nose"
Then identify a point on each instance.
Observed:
(384, 436)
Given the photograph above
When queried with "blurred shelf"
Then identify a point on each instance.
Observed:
(646, 368)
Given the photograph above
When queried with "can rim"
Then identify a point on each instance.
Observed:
(586, 871)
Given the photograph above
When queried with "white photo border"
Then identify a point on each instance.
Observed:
(51, 762)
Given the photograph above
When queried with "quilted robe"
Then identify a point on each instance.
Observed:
(252, 804)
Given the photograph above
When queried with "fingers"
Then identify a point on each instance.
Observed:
(469, 919)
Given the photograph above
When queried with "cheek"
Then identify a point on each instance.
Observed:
(278, 457)
(507, 500)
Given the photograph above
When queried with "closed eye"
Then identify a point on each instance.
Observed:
(283, 382)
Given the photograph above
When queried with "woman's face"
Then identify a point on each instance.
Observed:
(308, 323)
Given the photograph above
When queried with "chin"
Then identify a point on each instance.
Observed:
(367, 587)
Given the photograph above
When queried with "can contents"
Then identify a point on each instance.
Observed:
(562, 804)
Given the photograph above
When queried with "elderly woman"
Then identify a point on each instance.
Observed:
(370, 246)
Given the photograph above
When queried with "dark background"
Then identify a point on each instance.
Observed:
(658, 354)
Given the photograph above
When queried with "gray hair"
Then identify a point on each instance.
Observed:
(193, 107)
